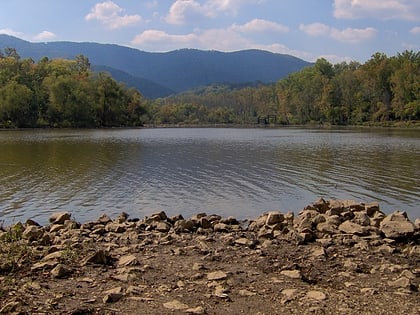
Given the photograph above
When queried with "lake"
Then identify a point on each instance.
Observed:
(228, 171)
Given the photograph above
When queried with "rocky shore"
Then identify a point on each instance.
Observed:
(333, 257)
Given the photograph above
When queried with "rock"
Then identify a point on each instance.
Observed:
(59, 217)
(115, 227)
(371, 208)
(175, 305)
(221, 227)
(44, 265)
(274, 217)
(321, 205)
(54, 255)
(9, 308)
(318, 252)
(368, 291)
(243, 241)
(184, 225)
(103, 219)
(56, 227)
(361, 218)
(396, 225)
(196, 310)
(245, 292)
(122, 217)
(216, 275)
(113, 295)
(32, 233)
(401, 282)
(265, 232)
(127, 260)
(316, 295)
(100, 257)
(349, 227)
(198, 266)
(60, 271)
(294, 274)
(327, 228)
(163, 227)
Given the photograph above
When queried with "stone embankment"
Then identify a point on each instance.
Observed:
(333, 257)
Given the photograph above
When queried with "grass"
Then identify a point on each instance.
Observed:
(14, 250)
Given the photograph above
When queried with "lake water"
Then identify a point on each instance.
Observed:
(239, 172)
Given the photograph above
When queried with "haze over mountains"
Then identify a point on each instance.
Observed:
(162, 74)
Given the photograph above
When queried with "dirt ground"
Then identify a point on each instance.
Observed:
(101, 269)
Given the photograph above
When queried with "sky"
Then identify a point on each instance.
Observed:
(337, 30)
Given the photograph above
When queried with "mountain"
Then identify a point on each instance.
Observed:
(149, 88)
(176, 71)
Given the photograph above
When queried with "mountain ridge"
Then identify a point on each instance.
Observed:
(163, 72)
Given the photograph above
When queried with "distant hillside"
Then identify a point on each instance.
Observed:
(177, 70)
(149, 88)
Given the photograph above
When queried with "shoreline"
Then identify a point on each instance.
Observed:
(334, 256)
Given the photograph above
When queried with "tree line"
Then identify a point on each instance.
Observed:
(62, 93)
(67, 93)
(384, 89)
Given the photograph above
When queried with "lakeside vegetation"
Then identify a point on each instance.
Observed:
(67, 93)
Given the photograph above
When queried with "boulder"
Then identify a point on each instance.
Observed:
(32, 233)
(349, 227)
(60, 271)
(59, 217)
(397, 225)
(274, 217)
(216, 275)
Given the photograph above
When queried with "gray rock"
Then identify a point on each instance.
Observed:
(100, 257)
(294, 274)
(349, 227)
(59, 217)
(196, 310)
(216, 275)
(163, 227)
(327, 228)
(103, 219)
(316, 295)
(184, 225)
(397, 225)
(221, 227)
(361, 218)
(274, 217)
(401, 282)
(60, 271)
(175, 305)
(127, 260)
(113, 295)
(32, 233)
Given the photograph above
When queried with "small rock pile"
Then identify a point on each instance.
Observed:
(283, 245)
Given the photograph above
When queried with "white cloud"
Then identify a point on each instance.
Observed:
(378, 9)
(415, 30)
(353, 35)
(213, 39)
(9, 31)
(150, 38)
(44, 36)
(350, 35)
(259, 25)
(110, 14)
(334, 59)
(182, 11)
(315, 29)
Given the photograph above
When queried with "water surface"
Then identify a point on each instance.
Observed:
(239, 172)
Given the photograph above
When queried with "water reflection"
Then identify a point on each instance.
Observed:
(239, 172)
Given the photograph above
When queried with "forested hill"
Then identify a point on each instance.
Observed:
(176, 71)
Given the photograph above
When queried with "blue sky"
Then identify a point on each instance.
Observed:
(338, 30)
